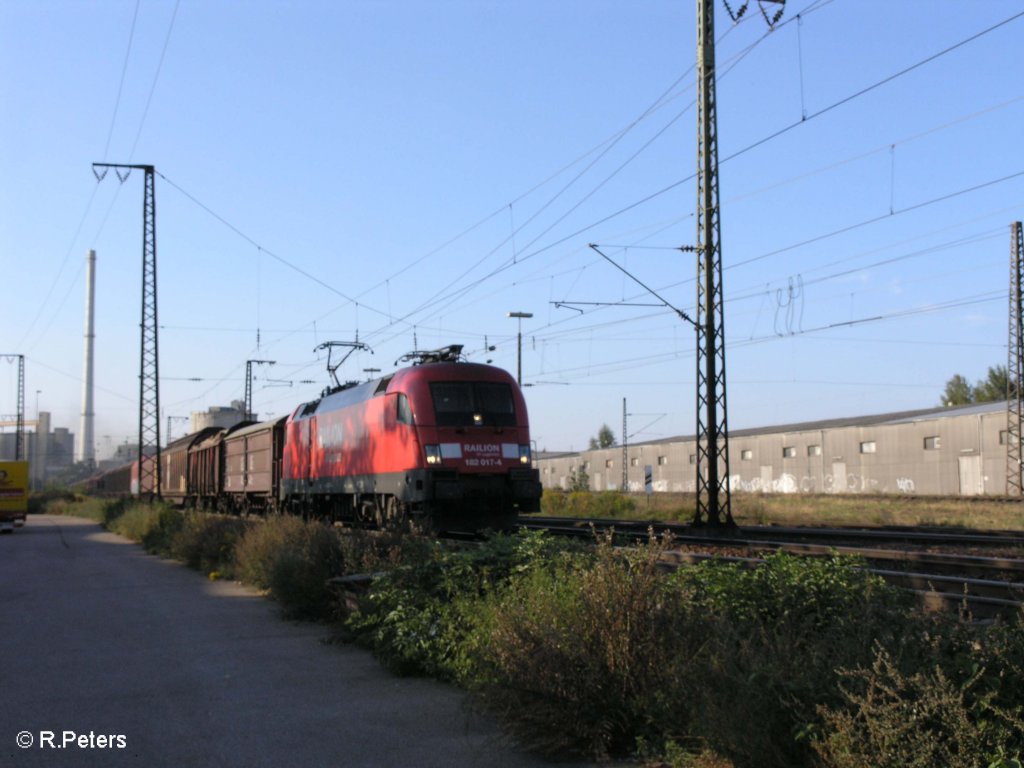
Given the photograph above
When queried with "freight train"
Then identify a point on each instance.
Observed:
(441, 444)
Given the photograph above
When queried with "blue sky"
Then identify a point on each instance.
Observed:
(413, 171)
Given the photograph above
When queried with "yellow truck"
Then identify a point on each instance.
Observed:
(13, 494)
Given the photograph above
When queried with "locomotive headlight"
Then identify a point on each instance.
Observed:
(524, 454)
(433, 453)
(478, 419)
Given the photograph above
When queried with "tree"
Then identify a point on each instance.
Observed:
(579, 480)
(605, 438)
(958, 392)
(990, 389)
(994, 387)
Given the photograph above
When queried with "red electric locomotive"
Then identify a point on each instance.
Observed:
(443, 441)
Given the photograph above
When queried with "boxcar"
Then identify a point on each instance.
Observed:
(252, 465)
(206, 471)
(175, 467)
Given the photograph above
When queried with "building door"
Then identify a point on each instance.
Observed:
(971, 482)
(766, 479)
(838, 477)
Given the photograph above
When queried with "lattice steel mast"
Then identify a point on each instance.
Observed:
(248, 385)
(713, 495)
(19, 419)
(625, 450)
(1014, 367)
(149, 357)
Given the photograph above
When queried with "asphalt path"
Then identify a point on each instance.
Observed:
(110, 656)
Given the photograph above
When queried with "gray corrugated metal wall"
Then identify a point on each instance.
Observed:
(949, 453)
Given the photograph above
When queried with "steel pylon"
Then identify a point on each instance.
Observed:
(19, 419)
(1014, 367)
(713, 496)
(149, 356)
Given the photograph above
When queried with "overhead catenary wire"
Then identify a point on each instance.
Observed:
(120, 85)
(517, 258)
(156, 80)
(444, 298)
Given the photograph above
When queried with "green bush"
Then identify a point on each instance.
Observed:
(159, 539)
(953, 696)
(918, 721)
(415, 616)
(580, 653)
(598, 655)
(257, 550)
(134, 522)
(88, 507)
(205, 542)
(293, 559)
(44, 501)
(774, 637)
(418, 617)
(368, 552)
(112, 509)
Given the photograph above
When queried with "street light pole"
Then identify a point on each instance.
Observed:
(519, 344)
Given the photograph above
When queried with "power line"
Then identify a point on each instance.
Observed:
(267, 251)
(120, 85)
(876, 219)
(156, 79)
(874, 86)
(766, 139)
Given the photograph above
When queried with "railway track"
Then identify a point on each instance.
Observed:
(955, 577)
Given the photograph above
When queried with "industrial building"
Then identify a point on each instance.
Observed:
(938, 451)
(48, 452)
(218, 416)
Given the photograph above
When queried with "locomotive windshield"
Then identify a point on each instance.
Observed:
(468, 404)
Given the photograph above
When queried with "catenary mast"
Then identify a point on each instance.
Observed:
(713, 497)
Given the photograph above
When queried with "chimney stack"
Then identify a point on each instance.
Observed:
(86, 444)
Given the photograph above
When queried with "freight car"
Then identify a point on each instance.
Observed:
(175, 482)
(119, 481)
(252, 467)
(439, 444)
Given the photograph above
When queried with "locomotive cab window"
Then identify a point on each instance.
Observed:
(404, 412)
(468, 404)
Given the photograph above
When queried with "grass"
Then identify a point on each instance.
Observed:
(798, 509)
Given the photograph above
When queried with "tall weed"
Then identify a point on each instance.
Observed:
(135, 521)
(204, 542)
(293, 559)
(774, 636)
(583, 654)
(418, 617)
(920, 720)
(598, 655)
(953, 697)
